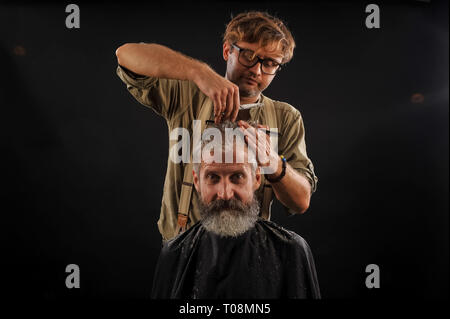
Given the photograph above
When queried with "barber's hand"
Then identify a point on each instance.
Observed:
(224, 94)
(258, 141)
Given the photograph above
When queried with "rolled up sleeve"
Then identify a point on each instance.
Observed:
(167, 97)
(293, 147)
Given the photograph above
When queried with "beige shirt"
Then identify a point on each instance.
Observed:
(179, 102)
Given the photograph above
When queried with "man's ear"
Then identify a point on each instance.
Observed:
(196, 181)
(226, 50)
(257, 182)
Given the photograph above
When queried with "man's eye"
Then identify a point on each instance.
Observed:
(238, 176)
(270, 63)
(212, 177)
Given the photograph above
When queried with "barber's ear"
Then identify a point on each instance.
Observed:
(226, 50)
(196, 180)
(257, 182)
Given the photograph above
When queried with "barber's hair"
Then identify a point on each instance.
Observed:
(263, 28)
(228, 140)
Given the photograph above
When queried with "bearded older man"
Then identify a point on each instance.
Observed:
(232, 252)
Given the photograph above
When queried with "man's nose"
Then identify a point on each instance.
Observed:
(256, 69)
(225, 191)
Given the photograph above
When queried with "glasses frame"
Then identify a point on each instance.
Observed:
(258, 60)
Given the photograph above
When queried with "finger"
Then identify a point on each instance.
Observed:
(216, 108)
(261, 138)
(261, 153)
(236, 104)
(263, 135)
(223, 104)
(266, 151)
(253, 147)
(246, 126)
(229, 106)
(251, 142)
(243, 124)
(252, 139)
(263, 148)
(251, 130)
(247, 131)
(218, 111)
(252, 156)
(268, 144)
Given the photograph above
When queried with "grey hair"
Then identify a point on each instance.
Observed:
(227, 141)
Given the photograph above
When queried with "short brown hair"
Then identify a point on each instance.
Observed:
(263, 28)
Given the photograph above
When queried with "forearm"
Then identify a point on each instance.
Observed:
(156, 60)
(293, 190)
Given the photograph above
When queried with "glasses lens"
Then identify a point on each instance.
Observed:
(270, 66)
(272, 69)
(247, 57)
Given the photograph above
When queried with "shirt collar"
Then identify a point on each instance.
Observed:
(259, 103)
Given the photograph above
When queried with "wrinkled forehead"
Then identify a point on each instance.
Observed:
(226, 168)
(235, 154)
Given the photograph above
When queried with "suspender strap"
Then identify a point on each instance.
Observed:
(186, 187)
(271, 121)
(185, 198)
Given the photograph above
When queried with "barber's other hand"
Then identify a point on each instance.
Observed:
(225, 94)
(258, 141)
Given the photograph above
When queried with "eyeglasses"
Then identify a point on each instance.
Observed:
(248, 58)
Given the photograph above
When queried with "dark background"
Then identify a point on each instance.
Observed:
(84, 164)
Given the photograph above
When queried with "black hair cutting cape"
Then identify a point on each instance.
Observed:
(266, 262)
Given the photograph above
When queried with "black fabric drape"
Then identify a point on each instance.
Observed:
(266, 262)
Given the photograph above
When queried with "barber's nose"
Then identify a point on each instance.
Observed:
(225, 191)
(256, 69)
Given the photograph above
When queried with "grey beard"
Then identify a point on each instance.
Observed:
(229, 218)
